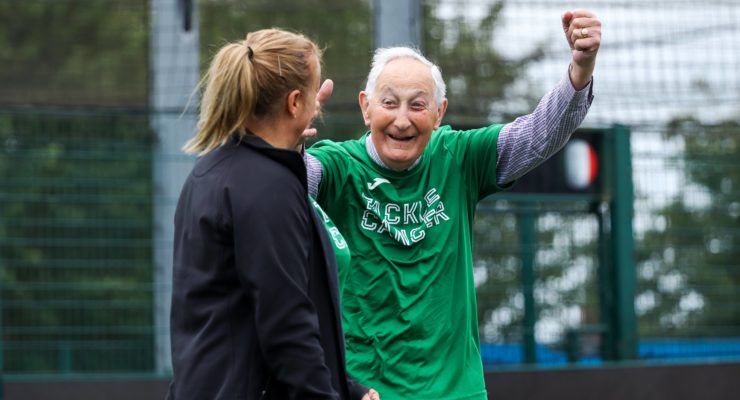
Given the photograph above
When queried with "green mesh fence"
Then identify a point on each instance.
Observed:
(75, 206)
(687, 232)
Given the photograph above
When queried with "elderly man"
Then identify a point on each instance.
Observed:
(404, 197)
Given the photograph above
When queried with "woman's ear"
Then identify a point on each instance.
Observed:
(294, 102)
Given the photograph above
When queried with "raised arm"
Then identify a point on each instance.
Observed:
(313, 166)
(533, 138)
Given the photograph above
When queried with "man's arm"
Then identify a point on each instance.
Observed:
(313, 166)
(314, 173)
(533, 138)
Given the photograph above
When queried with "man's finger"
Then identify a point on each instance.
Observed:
(580, 13)
(325, 91)
(309, 132)
(566, 18)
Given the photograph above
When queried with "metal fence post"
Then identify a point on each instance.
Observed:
(623, 246)
(175, 72)
(604, 278)
(527, 241)
(397, 23)
(2, 342)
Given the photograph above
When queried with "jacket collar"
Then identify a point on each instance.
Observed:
(289, 158)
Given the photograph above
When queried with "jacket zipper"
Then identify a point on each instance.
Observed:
(263, 394)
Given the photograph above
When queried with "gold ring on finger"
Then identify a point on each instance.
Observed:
(584, 32)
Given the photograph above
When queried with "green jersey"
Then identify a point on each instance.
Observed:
(341, 250)
(408, 296)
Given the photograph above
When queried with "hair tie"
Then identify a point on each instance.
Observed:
(250, 53)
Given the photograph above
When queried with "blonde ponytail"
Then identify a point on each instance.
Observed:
(247, 80)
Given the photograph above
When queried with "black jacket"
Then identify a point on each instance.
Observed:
(255, 304)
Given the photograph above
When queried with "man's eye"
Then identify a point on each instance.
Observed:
(388, 103)
(418, 106)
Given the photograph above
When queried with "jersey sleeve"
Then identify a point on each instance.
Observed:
(475, 151)
(334, 161)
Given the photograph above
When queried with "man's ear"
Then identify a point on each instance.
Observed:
(440, 113)
(364, 105)
(294, 102)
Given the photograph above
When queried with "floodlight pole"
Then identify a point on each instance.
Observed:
(174, 47)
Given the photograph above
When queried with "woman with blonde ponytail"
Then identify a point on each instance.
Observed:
(255, 312)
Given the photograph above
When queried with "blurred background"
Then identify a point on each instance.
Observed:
(635, 267)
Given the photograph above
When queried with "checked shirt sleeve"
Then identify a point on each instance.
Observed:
(533, 138)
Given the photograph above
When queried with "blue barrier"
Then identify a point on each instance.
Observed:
(649, 350)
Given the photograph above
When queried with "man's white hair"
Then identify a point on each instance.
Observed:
(385, 55)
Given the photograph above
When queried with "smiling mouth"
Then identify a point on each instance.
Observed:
(401, 138)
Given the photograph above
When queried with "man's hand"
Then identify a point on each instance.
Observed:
(371, 395)
(321, 97)
(583, 31)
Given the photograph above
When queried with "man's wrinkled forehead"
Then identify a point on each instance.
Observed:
(406, 76)
(387, 90)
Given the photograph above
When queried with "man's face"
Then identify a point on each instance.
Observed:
(402, 112)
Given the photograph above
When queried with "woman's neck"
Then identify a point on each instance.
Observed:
(278, 133)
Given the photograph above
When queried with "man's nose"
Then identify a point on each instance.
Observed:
(402, 121)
